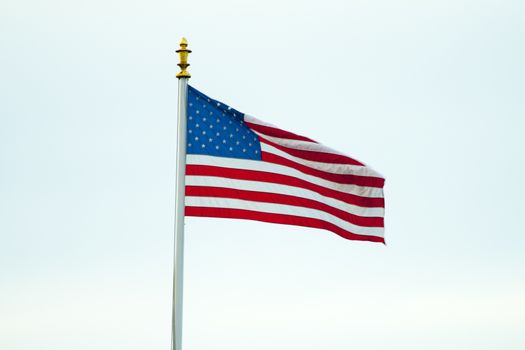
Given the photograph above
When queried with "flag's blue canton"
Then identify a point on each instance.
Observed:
(218, 130)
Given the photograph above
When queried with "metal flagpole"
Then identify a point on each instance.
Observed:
(178, 267)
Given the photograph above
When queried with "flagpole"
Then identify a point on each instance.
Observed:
(178, 259)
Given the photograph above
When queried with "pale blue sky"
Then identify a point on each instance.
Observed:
(429, 93)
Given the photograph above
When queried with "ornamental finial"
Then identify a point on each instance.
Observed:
(183, 52)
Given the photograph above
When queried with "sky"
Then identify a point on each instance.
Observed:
(428, 93)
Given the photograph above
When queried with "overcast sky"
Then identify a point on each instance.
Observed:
(429, 93)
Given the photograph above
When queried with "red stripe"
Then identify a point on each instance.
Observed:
(255, 196)
(347, 179)
(274, 132)
(263, 176)
(278, 219)
(313, 155)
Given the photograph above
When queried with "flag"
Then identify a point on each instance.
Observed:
(240, 167)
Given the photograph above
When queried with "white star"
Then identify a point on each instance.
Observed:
(189, 144)
(191, 117)
(243, 137)
(218, 120)
(223, 128)
(218, 134)
(244, 149)
(190, 131)
(196, 138)
(197, 111)
(231, 149)
(197, 125)
(237, 129)
(223, 141)
(211, 126)
(256, 152)
(210, 139)
(197, 98)
(237, 142)
(204, 119)
(203, 145)
(218, 104)
(231, 135)
(250, 144)
(204, 132)
(216, 147)
(191, 104)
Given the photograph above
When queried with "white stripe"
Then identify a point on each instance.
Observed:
(344, 169)
(296, 144)
(299, 144)
(302, 145)
(234, 163)
(216, 202)
(248, 185)
(253, 120)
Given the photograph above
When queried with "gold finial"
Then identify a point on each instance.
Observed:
(183, 64)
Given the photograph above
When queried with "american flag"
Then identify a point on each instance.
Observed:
(240, 167)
